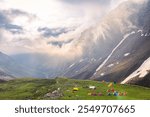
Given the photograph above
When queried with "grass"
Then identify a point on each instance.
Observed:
(35, 89)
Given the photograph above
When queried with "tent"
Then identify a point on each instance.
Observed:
(110, 85)
(120, 94)
(75, 89)
(109, 90)
(115, 93)
(125, 94)
(94, 94)
(100, 94)
(112, 90)
(109, 94)
(89, 94)
(92, 87)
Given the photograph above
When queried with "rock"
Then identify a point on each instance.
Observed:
(37, 91)
(55, 94)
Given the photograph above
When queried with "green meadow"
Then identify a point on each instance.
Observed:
(38, 89)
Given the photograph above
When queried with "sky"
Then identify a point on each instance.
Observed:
(49, 26)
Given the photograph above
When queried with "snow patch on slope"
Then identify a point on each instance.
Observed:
(71, 65)
(105, 61)
(141, 72)
(111, 65)
(127, 54)
(81, 60)
(142, 33)
(102, 74)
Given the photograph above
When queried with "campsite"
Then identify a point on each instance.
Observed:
(70, 89)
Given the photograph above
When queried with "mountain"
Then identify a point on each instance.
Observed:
(129, 56)
(82, 69)
(10, 66)
(101, 39)
(123, 50)
(125, 59)
(42, 65)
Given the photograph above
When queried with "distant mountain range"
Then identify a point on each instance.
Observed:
(13, 68)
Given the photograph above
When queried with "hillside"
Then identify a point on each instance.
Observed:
(62, 88)
(5, 77)
(12, 67)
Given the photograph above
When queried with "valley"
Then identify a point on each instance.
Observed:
(64, 89)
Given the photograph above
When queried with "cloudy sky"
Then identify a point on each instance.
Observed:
(48, 26)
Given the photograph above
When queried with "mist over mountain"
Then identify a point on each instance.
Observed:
(13, 68)
(106, 37)
(128, 50)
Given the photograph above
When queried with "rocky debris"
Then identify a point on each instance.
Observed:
(55, 94)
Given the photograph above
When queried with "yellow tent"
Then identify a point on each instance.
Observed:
(75, 89)
(110, 85)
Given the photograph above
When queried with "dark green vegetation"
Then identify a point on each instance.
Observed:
(29, 89)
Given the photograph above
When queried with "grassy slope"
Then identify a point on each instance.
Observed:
(37, 88)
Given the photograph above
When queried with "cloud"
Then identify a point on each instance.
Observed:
(60, 44)
(5, 23)
(54, 32)
(88, 7)
(101, 2)
(3, 18)
(59, 28)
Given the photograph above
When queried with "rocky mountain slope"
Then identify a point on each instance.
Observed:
(127, 53)
(129, 56)
(5, 77)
